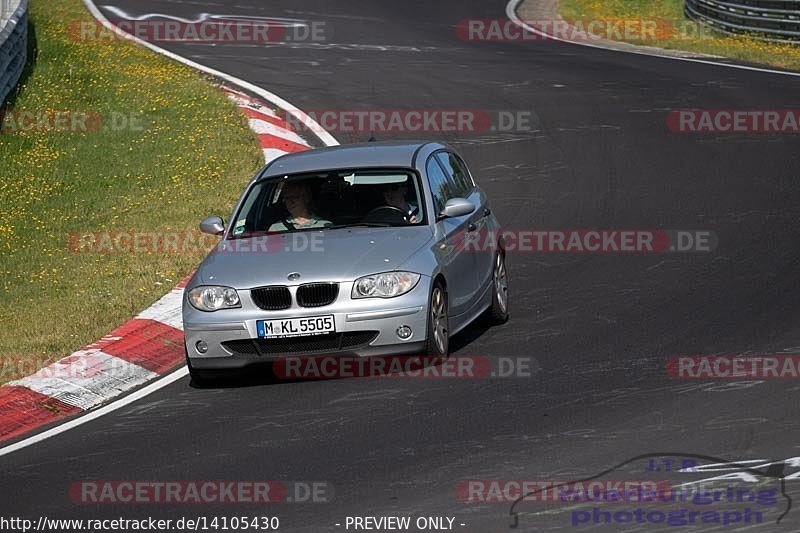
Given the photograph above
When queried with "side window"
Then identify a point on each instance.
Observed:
(442, 187)
(466, 171)
(458, 173)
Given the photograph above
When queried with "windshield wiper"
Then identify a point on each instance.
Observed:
(360, 224)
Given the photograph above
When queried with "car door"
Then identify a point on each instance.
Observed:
(458, 263)
(458, 172)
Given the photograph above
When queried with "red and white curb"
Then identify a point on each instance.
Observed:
(145, 348)
(275, 135)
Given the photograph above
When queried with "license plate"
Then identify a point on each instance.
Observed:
(295, 327)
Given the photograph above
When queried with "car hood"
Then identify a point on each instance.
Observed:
(328, 255)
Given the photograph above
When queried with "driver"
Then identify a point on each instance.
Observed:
(296, 197)
(394, 194)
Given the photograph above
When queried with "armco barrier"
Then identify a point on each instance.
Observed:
(13, 44)
(777, 20)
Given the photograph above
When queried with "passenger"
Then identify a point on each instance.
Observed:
(296, 196)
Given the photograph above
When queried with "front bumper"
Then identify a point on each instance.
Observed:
(364, 327)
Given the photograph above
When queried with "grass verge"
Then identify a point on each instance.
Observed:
(683, 34)
(162, 148)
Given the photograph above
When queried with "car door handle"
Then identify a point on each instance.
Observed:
(472, 227)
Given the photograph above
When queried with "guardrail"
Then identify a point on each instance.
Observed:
(774, 20)
(13, 44)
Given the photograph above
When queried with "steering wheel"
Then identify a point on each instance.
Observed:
(386, 213)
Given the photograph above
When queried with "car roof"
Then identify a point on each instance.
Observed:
(371, 154)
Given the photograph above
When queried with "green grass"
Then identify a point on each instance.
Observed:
(189, 155)
(685, 34)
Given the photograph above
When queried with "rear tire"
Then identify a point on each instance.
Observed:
(437, 344)
(498, 312)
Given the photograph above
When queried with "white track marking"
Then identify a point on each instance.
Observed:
(511, 13)
(271, 154)
(262, 127)
(167, 310)
(203, 17)
(92, 415)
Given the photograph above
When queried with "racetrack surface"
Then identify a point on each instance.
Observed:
(600, 326)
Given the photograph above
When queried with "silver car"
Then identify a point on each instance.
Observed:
(373, 249)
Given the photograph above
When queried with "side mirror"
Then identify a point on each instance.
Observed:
(457, 207)
(212, 226)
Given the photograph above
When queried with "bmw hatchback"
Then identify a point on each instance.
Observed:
(360, 250)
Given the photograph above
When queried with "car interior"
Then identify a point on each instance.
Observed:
(340, 197)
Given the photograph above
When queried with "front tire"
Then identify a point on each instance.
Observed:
(438, 342)
(498, 312)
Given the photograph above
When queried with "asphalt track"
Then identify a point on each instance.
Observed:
(600, 326)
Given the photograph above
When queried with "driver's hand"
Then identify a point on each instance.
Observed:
(412, 219)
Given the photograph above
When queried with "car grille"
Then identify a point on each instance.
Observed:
(304, 345)
(317, 294)
(272, 298)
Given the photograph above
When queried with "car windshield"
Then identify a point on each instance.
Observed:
(330, 200)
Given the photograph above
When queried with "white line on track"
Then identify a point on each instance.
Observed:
(511, 13)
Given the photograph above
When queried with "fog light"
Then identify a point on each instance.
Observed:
(201, 346)
(404, 332)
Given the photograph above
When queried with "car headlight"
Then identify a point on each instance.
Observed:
(384, 285)
(212, 298)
